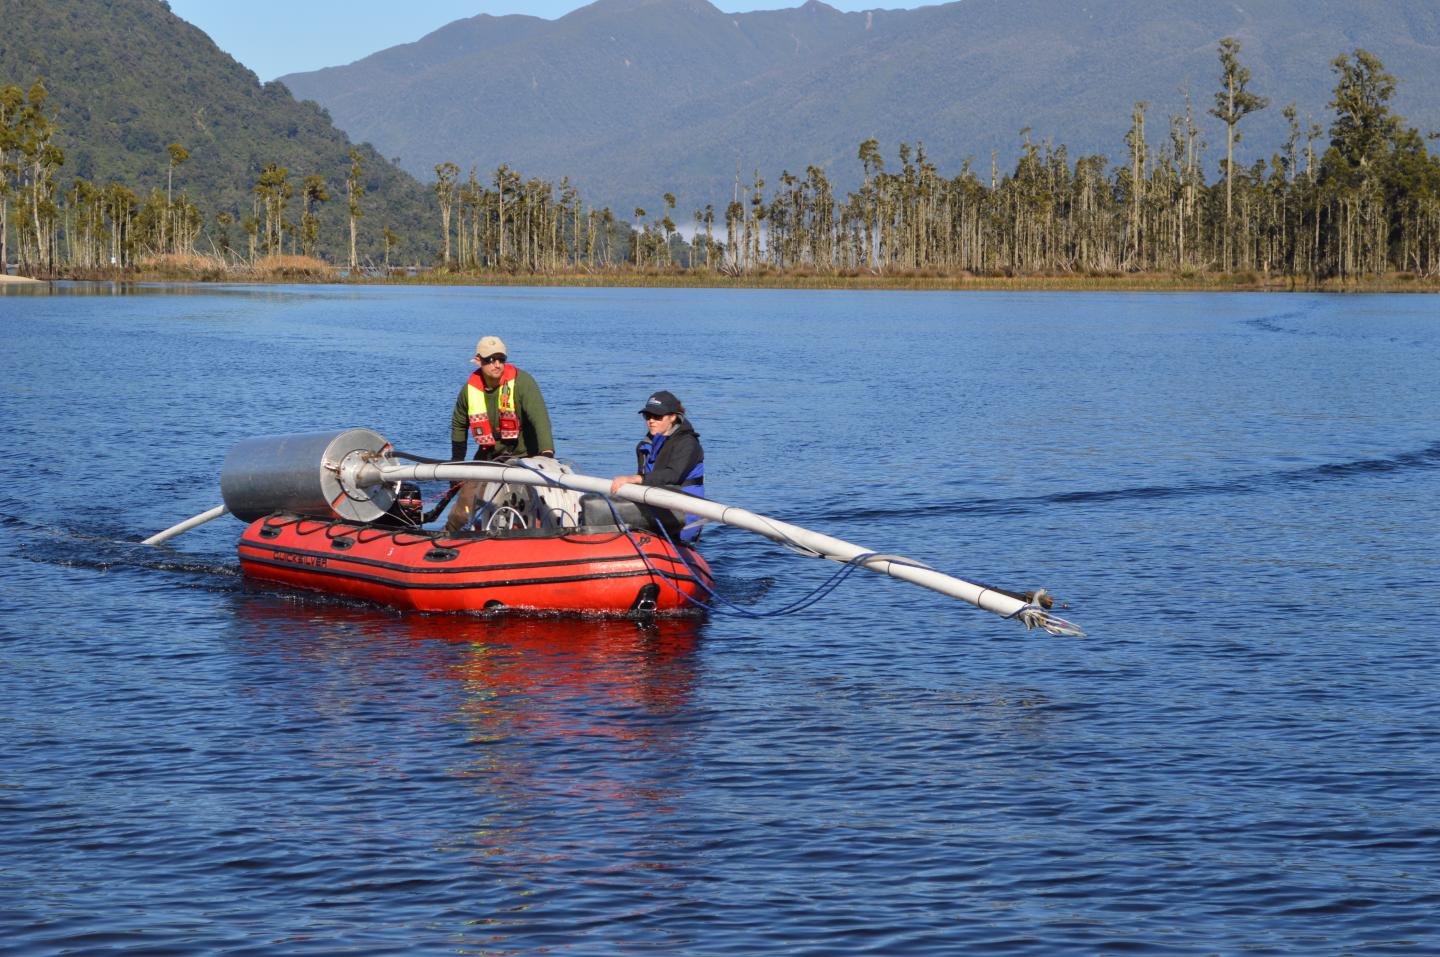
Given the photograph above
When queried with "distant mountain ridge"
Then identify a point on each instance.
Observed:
(633, 98)
(127, 77)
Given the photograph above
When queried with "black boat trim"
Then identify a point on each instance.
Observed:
(331, 571)
(317, 559)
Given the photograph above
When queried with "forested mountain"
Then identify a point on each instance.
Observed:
(127, 78)
(633, 98)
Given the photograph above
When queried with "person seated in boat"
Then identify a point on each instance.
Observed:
(670, 455)
(502, 407)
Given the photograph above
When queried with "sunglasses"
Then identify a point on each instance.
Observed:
(651, 415)
(486, 360)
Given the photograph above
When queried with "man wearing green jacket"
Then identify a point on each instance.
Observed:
(501, 406)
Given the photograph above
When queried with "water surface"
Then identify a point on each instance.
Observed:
(1237, 495)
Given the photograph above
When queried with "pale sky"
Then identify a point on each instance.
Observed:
(276, 37)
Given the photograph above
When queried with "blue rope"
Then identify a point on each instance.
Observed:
(800, 604)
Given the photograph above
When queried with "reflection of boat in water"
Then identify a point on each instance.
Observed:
(529, 715)
(545, 548)
(554, 675)
(625, 664)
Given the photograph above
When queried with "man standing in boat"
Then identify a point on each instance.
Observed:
(501, 406)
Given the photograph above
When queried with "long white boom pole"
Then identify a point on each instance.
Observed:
(186, 525)
(822, 546)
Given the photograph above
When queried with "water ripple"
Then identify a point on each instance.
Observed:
(1241, 759)
(1260, 483)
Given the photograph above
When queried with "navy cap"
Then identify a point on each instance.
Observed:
(661, 403)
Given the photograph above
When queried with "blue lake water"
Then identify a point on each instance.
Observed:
(1237, 495)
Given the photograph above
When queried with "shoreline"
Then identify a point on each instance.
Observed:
(5, 277)
(707, 279)
(1126, 283)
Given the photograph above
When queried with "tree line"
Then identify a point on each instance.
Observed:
(1360, 198)
(1365, 202)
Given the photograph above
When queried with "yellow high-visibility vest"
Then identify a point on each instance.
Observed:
(475, 399)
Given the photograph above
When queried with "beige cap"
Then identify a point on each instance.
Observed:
(489, 346)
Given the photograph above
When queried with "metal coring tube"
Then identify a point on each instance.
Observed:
(382, 469)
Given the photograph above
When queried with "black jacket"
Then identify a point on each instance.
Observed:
(678, 456)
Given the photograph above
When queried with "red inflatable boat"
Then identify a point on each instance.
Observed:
(577, 570)
(541, 547)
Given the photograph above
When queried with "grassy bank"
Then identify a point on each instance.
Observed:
(1148, 282)
(281, 269)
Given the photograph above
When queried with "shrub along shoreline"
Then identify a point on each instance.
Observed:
(304, 269)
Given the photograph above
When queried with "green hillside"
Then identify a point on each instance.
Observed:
(633, 98)
(127, 78)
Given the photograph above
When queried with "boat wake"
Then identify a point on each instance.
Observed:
(1263, 482)
(1277, 323)
(97, 549)
(1287, 324)
(105, 563)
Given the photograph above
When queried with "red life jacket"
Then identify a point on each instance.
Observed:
(480, 413)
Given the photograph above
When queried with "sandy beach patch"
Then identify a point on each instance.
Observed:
(5, 278)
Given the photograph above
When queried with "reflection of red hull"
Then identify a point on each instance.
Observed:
(575, 572)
